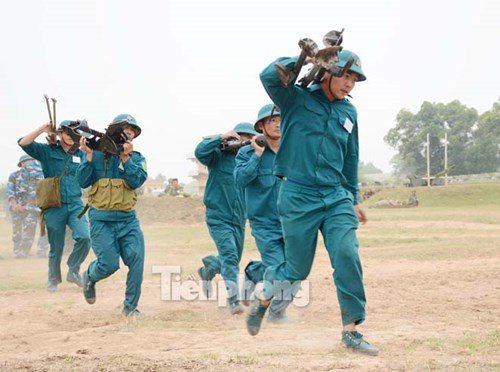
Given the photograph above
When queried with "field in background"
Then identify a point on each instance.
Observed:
(432, 277)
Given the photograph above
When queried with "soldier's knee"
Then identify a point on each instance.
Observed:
(83, 241)
(109, 268)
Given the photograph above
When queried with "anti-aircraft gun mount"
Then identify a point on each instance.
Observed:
(323, 60)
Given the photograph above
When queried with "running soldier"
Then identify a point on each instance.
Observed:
(56, 161)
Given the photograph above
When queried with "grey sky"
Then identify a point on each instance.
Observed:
(187, 68)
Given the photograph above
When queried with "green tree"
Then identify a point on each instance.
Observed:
(368, 168)
(409, 137)
(484, 154)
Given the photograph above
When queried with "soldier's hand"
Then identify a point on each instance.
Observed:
(257, 149)
(85, 148)
(362, 216)
(46, 128)
(230, 134)
(128, 147)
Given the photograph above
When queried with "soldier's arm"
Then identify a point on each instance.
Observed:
(207, 151)
(32, 136)
(269, 77)
(247, 165)
(135, 170)
(32, 148)
(10, 192)
(85, 173)
(351, 160)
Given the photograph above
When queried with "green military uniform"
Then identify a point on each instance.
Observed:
(318, 160)
(255, 175)
(225, 212)
(55, 161)
(115, 228)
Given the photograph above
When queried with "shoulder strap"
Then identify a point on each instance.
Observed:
(65, 169)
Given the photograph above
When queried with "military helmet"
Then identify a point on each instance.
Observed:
(130, 120)
(63, 124)
(245, 128)
(344, 57)
(23, 158)
(264, 112)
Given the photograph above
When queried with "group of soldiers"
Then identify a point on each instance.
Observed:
(293, 173)
(302, 181)
(72, 163)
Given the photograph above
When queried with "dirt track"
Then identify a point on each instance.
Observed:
(429, 309)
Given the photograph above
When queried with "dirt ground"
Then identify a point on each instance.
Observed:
(432, 279)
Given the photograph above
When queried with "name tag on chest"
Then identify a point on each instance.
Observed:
(348, 125)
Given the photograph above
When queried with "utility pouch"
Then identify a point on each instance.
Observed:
(112, 194)
(48, 193)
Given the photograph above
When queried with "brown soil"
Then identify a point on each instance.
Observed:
(423, 313)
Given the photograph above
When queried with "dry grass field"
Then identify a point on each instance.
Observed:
(432, 277)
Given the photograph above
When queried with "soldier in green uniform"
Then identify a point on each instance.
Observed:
(318, 162)
(174, 188)
(56, 161)
(254, 173)
(225, 213)
(413, 199)
(114, 226)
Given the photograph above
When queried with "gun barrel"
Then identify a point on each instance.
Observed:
(260, 140)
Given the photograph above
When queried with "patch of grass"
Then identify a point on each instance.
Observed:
(435, 344)
(210, 357)
(481, 344)
(451, 196)
(244, 360)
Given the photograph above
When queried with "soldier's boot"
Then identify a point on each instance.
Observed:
(206, 283)
(74, 277)
(354, 341)
(255, 317)
(88, 289)
(247, 291)
(136, 313)
(235, 308)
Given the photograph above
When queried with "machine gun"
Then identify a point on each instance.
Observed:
(308, 48)
(323, 60)
(232, 144)
(110, 143)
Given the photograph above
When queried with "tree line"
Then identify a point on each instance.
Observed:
(473, 139)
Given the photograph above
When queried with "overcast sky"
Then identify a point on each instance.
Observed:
(187, 68)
